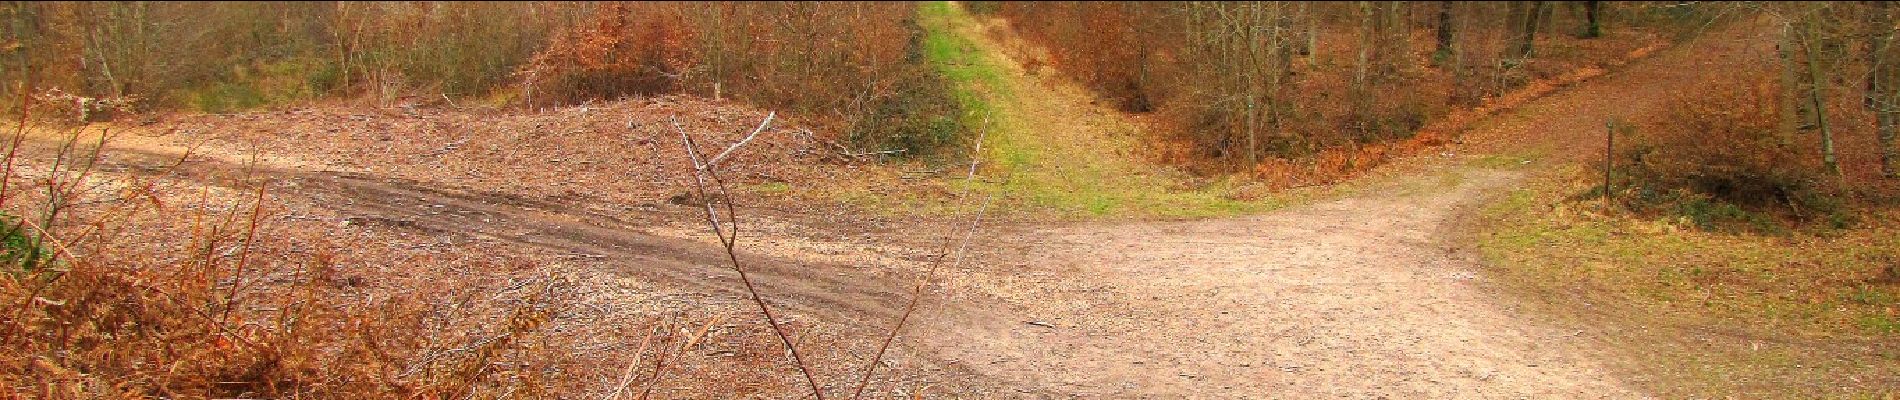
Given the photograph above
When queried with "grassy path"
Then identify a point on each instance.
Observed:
(1046, 147)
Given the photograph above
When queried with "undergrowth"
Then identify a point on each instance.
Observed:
(865, 84)
(1722, 159)
(127, 287)
(853, 71)
(1057, 161)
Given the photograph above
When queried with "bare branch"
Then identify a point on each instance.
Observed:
(659, 367)
(703, 172)
(748, 138)
(626, 377)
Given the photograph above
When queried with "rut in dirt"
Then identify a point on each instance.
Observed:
(828, 290)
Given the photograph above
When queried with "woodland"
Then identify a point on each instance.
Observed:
(973, 199)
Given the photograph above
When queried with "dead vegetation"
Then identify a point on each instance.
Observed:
(137, 285)
(330, 277)
(133, 274)
(1312, 93)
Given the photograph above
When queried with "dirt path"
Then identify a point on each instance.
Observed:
(1367, 296)
(845, 298)
(1363, 296)
(1351, 298)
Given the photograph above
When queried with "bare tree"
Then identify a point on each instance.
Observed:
(1249, 47)
(1444, 33)
(1883, 82)
(1592, 27)
(1809, 39)
(1527, 37)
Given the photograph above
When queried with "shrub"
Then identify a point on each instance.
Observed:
(142, 292)
(865, 80)
(917, 119)
(847, 68)
(638, 49)
(1721, 156)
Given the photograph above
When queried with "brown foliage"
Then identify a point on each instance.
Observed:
(1291, 84)
(1725, 142)
(1101, 45)
(626, 49)
(848, 67)
(142, 287)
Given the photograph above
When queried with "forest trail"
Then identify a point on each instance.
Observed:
(1367, 295)
(1048, 147)
(1364, 296)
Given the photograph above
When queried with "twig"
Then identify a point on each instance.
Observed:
(250, 238)
(848, 153)
(978, 152)
(626, 377)
(659, 367)
(26, 109)
(58, 196)
(748, 138)
(418, 365)
(1609, 160)
(57, 244)
(702, 172)
(704, 330)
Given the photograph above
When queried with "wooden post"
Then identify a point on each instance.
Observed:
(1609, 157)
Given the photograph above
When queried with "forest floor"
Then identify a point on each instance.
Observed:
(1369, 289)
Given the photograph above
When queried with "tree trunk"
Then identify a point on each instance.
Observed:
(1794, 111)
(27, 46)
(1444, 34)
(1311, 48)
(1282, 73)
(1462, 88)
(1817, 95)
(1251, 69)
(1546, 14)
(1592, 28)
(1394, 42)
(1886, 120)
(1361, 90)
(1528, 39)
(1882, 79)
